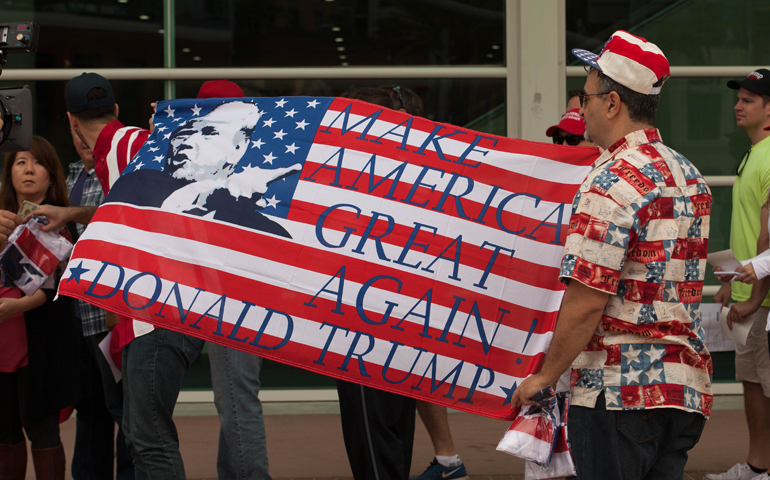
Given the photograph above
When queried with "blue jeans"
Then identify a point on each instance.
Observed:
(153, 365)
(632, 444)
(242, 442)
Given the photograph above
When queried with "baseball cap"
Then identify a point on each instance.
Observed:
(631, 61)
(757, 81)
(571, 122)
(220, 89)
(76, 92)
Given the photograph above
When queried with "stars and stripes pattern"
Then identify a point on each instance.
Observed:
(639, 231)
(31, 256)
(416, 257)
(114, 148)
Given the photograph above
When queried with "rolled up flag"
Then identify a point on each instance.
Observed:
(31, 256)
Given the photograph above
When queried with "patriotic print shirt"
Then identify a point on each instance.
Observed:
(639, 231)
(114, 149)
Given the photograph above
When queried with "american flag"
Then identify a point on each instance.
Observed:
(343, 238)
(32, 256)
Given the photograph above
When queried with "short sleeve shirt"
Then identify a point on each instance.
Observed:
(749, 194)
(639, 231)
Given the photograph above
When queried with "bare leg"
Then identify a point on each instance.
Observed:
(757, 407)
(436, 422)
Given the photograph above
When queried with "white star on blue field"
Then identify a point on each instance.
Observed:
(282, 137)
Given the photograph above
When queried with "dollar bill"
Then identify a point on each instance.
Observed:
(27, 207)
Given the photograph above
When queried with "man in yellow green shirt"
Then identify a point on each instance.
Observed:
(750, 192)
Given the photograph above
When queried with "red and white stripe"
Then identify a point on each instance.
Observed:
(634, 62)
(114, 149)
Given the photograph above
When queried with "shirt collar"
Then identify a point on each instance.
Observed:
(104, 140)
(633, 139)
(76, 167)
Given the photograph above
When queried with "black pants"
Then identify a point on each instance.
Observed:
(42, 432)
(378, 428)
(95, 437)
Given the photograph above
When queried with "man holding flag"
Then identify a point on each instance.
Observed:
(634, 261)
(154, 360)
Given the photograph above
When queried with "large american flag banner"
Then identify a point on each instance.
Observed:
(343, 238)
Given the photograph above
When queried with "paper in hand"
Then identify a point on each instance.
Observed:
(740, 331)
(725, 260)
(26, 208)
(710, 322)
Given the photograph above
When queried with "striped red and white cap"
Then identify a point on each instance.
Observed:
(631, 61)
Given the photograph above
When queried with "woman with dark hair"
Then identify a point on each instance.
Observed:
(38, 336)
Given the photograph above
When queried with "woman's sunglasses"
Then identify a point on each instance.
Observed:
(570, 138)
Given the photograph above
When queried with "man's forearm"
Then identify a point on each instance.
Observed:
(82, 214)
(759, 291)
(580, 314)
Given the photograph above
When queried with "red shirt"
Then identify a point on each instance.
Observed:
(13, 337)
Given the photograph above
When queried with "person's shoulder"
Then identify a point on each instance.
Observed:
(75, 167)
(132, 134)
(116, 129)
(762, 149)
(628, 182)
(104, 139)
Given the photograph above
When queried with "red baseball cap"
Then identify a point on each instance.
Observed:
(220, 89)
(629, 60)
(571, 122)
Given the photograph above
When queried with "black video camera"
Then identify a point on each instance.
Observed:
(16, 102)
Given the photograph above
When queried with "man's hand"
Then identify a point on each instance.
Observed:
(8, 221)
(60, 216)
(111, 320)
(740, 311)
(528, 388)
(579, 316)
(152, 117)
(722, 278)
(723, 295)
(57, 216)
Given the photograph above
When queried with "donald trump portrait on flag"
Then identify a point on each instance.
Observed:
(203, 174)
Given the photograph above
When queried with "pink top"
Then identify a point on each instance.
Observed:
(13, 337)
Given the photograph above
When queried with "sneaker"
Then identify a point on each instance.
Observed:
(739, 471)
(762, 476)
(436, 471)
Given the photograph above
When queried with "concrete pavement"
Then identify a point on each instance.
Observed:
(305, 441)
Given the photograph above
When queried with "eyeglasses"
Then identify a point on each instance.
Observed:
(744, 160)
(584, 95)
(570, 138)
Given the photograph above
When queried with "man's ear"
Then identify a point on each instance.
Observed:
(73, 121)
(612, 104)
(116, 109)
